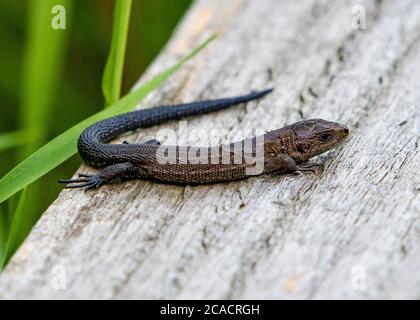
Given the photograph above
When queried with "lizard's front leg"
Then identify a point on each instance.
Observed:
(113, 172)
(285, 163)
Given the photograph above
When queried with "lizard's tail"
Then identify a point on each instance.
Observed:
(92, 142)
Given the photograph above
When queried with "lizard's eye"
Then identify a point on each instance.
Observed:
(325, 137)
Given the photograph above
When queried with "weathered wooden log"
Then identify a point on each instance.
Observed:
(351, 231)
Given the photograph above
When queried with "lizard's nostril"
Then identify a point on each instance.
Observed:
(345, 129)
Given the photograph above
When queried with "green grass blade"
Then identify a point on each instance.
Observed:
(16, 234)
(64, 146)
(42, 65)
(43, 61)
(3, 236)
(13, 139)
(112, 77)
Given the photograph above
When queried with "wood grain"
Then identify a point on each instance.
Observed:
(352, 231)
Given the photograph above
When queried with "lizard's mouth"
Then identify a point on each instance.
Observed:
(343, 129)
(342, 133)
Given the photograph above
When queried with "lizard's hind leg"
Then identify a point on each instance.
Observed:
(113, 172)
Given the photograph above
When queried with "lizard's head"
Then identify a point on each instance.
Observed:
(316, 136)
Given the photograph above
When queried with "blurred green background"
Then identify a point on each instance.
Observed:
(77, 93)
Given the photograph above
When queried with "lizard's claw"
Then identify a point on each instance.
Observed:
(312, 167)
(85, 181)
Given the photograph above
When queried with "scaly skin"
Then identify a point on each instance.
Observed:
(280, 150)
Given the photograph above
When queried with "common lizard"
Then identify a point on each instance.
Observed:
(283, 150)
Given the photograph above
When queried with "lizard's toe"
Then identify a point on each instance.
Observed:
(85, 181)
(312, 167)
